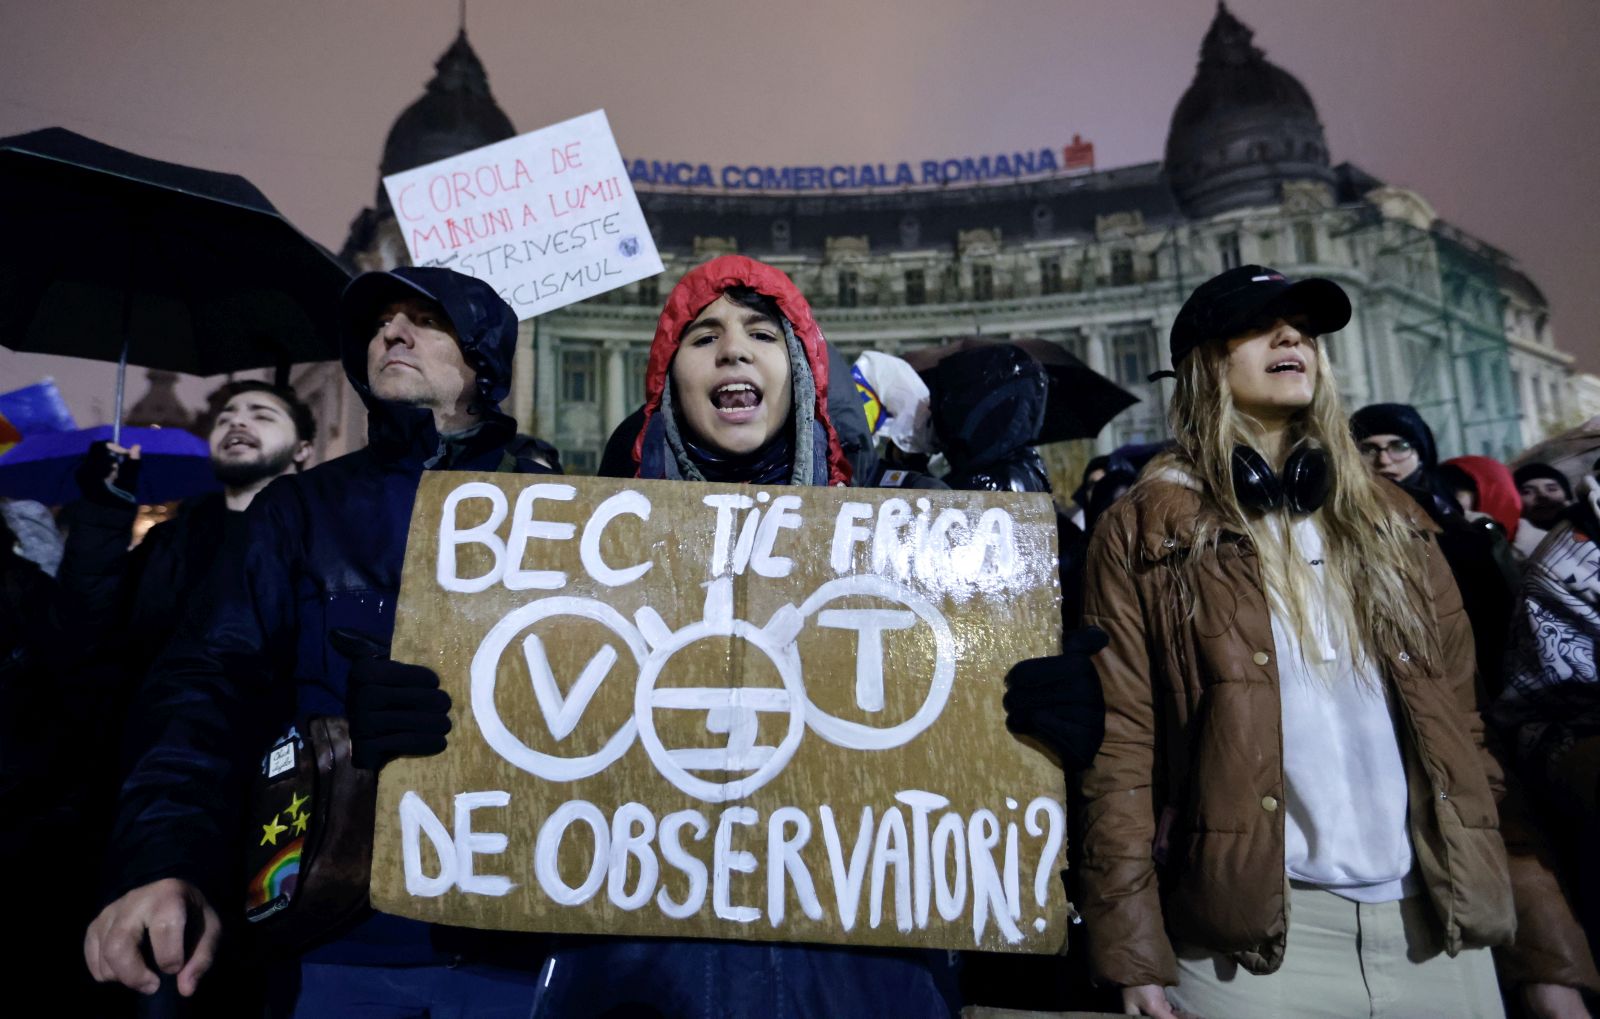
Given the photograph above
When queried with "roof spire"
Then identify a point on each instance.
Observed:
(456, 113)
(1228, 40)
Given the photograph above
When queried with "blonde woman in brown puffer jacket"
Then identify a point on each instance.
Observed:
(1293, 813)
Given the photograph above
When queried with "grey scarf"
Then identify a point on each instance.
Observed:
(804, 388)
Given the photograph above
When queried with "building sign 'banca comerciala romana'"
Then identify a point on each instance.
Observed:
(1001, 168)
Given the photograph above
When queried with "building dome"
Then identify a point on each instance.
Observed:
(455, 114)
(1243, 127)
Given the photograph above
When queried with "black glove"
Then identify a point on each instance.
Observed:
(395, 709)
(108, 479)
(1057, 700)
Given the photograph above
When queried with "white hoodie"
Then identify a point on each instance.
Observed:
(1345, 782)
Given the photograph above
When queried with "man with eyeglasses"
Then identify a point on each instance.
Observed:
(1397, 443)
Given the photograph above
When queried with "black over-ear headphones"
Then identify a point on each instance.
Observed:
(1303, 486)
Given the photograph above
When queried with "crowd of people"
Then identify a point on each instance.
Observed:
(1327, 705)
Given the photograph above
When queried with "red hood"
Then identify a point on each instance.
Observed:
(1497, 491)
(704, 284)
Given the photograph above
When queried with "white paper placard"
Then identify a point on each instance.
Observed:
(548, 218)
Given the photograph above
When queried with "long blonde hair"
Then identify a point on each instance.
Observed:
(1375, 580)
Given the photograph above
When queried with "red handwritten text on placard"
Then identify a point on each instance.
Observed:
(566, 158)
(572, 200)
(450, 191)
(547, 218)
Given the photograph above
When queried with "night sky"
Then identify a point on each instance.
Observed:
(1487, 108)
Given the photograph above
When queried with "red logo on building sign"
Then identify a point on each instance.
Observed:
(1078, 156)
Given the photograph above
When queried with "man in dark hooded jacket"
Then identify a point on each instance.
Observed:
(429, 351)
(988, 407)
(1398, 444)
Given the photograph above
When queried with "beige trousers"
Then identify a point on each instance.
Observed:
(1344, 960)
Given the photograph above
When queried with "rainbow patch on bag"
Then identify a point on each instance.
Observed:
(278, 877)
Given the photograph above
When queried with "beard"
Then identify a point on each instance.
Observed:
(244, 473)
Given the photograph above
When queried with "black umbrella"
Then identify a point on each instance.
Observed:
(1081, 401)
(118, 257)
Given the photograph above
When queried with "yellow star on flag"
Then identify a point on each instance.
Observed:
(300, 823)
(295, 803)
(271, 830)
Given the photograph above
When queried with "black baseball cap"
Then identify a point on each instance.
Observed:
(1236, 301)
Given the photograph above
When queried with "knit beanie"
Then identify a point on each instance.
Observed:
(1540, 471)
(1399, 419)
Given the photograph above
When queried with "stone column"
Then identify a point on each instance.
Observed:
(1095, 353)
(522, 380)
(616, 405)
(546, 410)
(1528, 414)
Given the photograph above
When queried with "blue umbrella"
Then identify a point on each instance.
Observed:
(173, 464)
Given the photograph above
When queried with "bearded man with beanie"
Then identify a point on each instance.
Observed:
(1546, 493)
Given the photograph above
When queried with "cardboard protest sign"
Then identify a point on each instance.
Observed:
(547, 218)
(705, 710)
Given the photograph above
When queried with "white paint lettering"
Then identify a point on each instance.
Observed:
(524, 528)
(869, 625)
(747, 541)
(685, 861)
(891, 849)
(983, 834)
(1013, 878)
(888, 551)
(453, 536)
(949, 897)
(418, 819)
(724, 505)
(992, 543)
(547, 852)
(725, 861)
(470, 843)
(1046, 868)
(847, 881)
(921, 803)
(629, 502)
(847, 534)
(633, 828)
(934, 558)
(779, 516)
(784, 861)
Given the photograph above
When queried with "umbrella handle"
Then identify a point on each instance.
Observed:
(122, 374)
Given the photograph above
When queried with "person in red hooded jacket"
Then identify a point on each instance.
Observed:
(1485, 487)
(736, 390)
(737, 381)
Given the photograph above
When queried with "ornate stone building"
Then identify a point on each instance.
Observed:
(1098, 262)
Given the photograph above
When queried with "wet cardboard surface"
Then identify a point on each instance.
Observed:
(703, 710)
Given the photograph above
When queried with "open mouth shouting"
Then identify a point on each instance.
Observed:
(238, 441)
(1287, 365)
(737, 401)
(732, 368)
